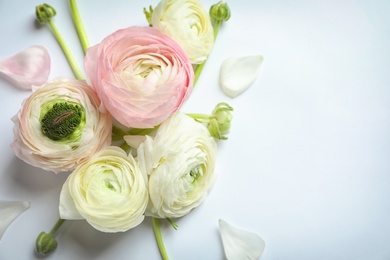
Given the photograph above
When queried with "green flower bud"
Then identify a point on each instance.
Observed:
(44, 13)
(220, 12)
(219, 126)
(45, 243)
(215, 131)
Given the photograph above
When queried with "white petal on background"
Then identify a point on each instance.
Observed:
(237, 74)
(30, 67)
(240, 244)
(9, 211)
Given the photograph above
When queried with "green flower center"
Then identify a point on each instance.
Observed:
(62, 120)
(196, 172)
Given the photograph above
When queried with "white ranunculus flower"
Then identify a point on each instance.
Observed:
(180, 162)
(60, 125)
(187, 22)
(109, 191)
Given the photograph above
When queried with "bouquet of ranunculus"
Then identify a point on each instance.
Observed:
(120, 133)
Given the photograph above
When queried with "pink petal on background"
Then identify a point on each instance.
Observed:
(240, 244)
(27, 68)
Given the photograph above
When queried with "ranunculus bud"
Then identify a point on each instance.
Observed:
(220, 124)
(44, 13)
(220, 12)
(45, 243)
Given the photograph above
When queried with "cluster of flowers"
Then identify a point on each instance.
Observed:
(137, 80)
(130, 152)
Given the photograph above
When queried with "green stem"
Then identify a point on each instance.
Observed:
(125, 147)
(142, 131)
(199, 68)
(66, 50)
(57, 226)
(198, 71)
(173, 224)
(160, 243)
(79, 26)
(118, 131)
(217, 25)
(199, 116)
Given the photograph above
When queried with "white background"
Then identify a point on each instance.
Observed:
(306, 165)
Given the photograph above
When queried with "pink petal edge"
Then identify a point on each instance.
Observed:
(28, 68)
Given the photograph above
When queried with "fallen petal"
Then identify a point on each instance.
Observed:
(9, 211)
(237, 74)
(240, 244)
(30, 67)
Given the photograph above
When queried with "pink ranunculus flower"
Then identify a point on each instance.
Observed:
(140, 75)
(60, 126)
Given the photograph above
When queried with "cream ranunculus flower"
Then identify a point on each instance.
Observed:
(189, 24)
(109, 191)
(60, 125)
(180, 162)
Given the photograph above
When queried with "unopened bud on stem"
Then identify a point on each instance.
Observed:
(220, 124)
(45, 243)
(220, 12)
(44, 13)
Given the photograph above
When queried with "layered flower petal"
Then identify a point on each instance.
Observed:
(188, 23)
(108, 191)
(237, 74)
(30, 67)
(60, 125)
(180, 162)
(240, 244)
(9, 211)
(141, 75)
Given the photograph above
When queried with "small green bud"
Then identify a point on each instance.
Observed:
(215, 131)
(148, 15)
(45, 243)
(219, 126)
(44, 13)
(220, 12)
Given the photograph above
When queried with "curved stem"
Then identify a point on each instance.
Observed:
(199, 68)
(57, 226)
(200, 116)
(198, 71)
(160, 243)
(66, 50)
(79, 26)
